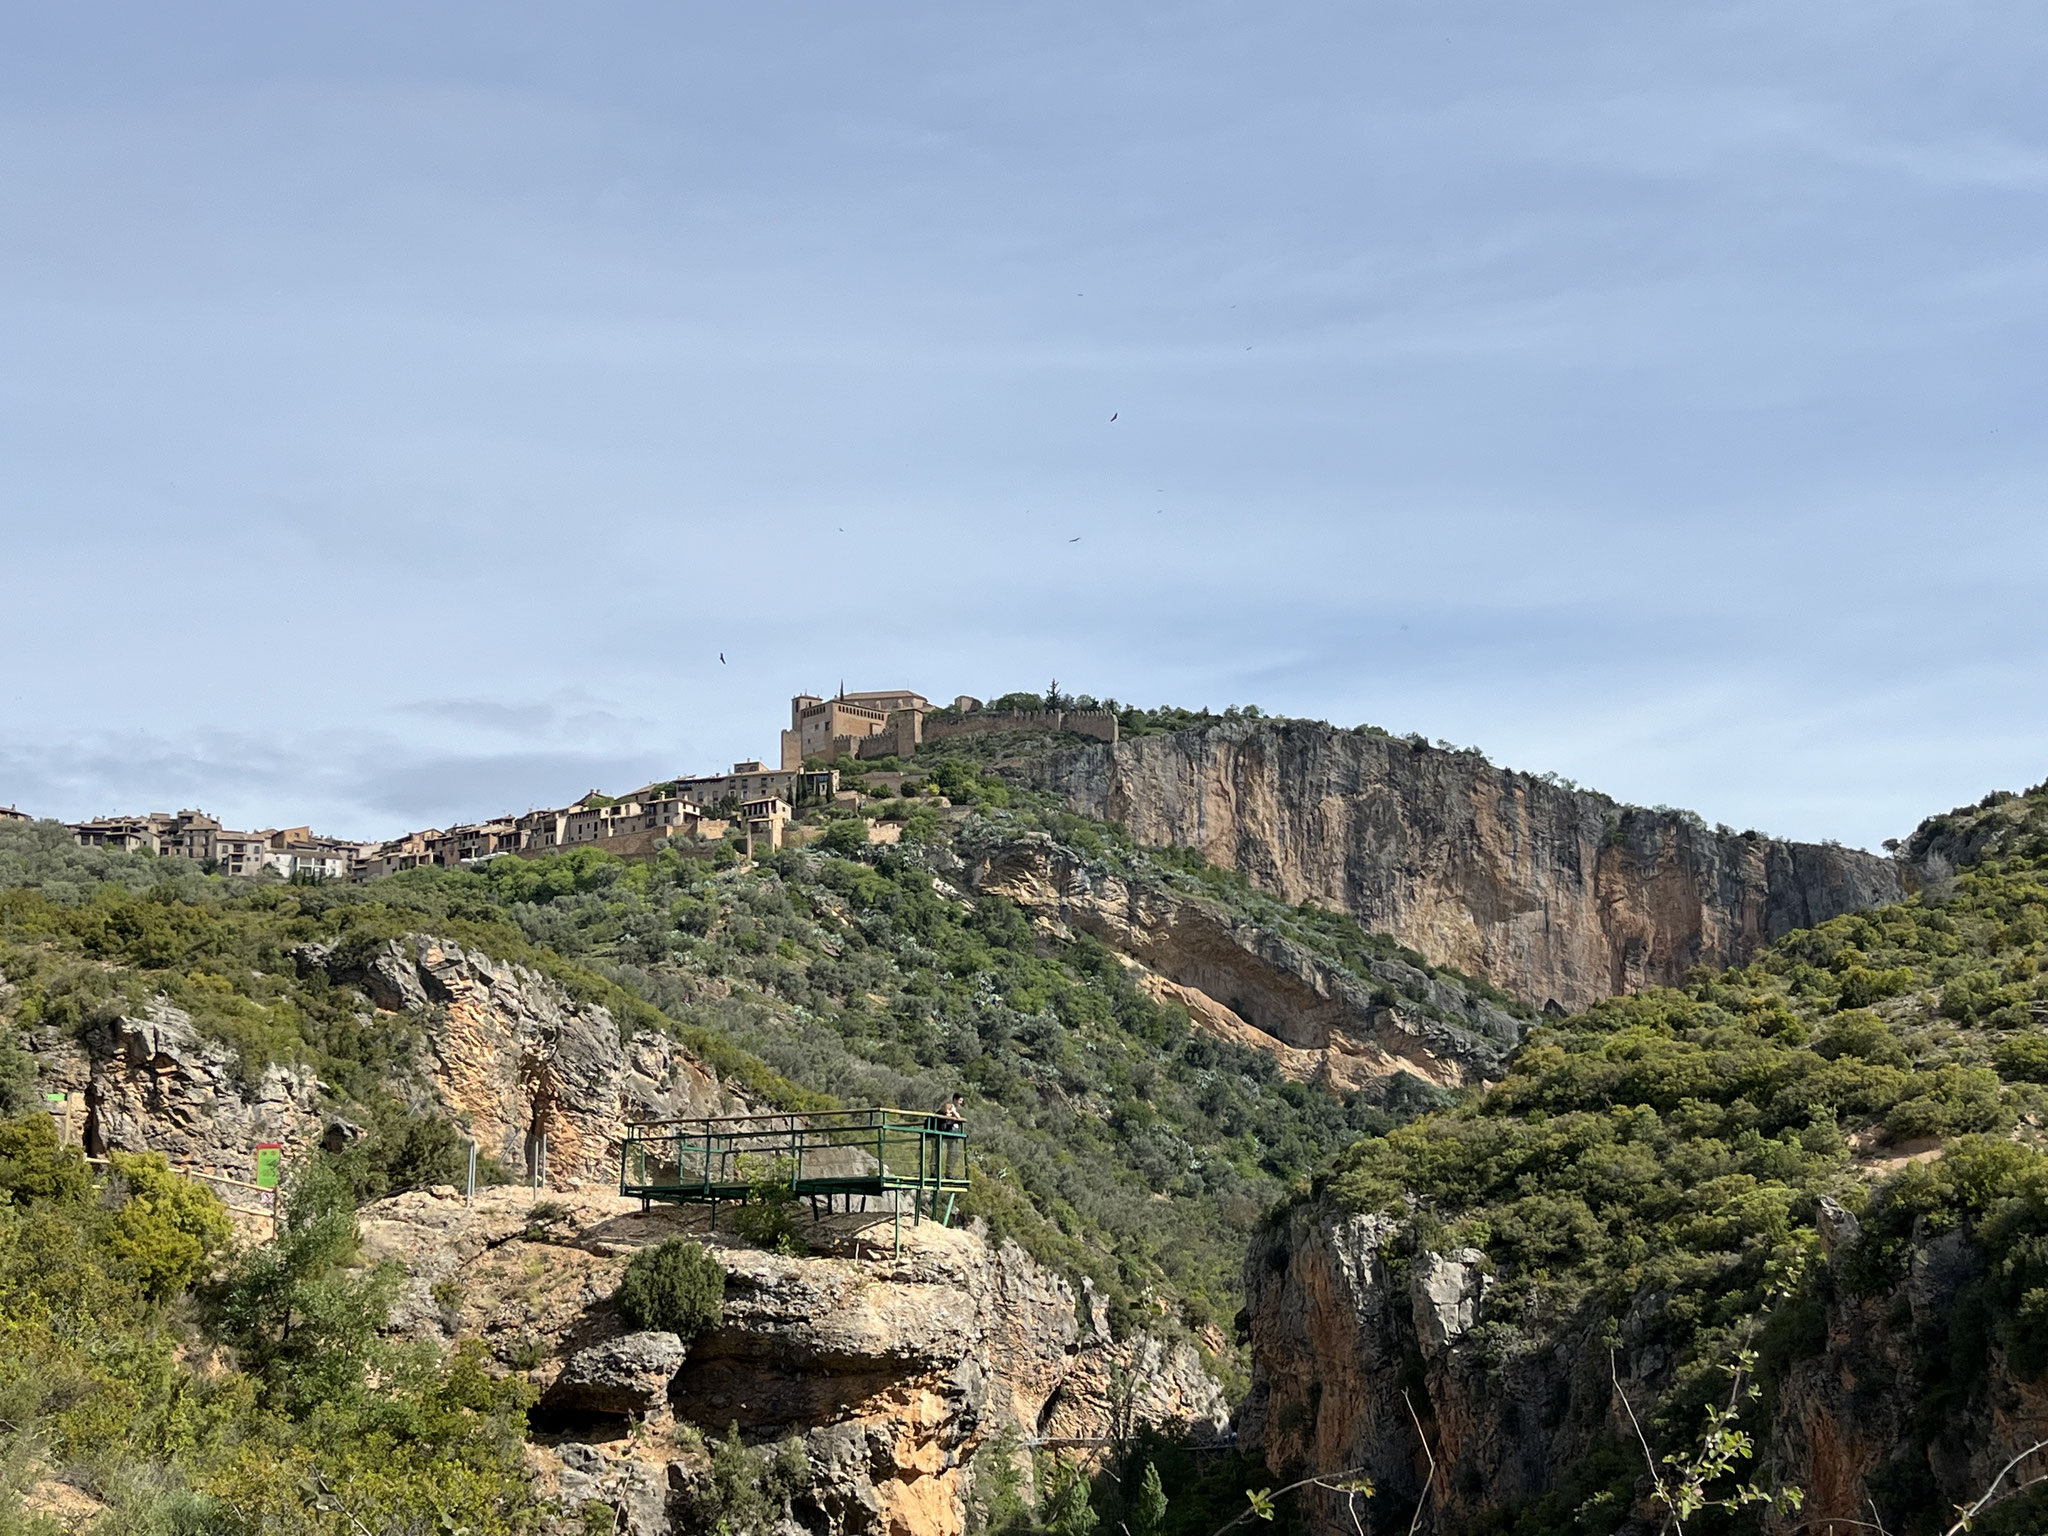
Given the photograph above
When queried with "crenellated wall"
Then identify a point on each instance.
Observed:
(1097, 723)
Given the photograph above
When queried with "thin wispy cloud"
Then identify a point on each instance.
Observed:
(408, 410)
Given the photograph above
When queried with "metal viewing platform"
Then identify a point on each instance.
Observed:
(823, 1156)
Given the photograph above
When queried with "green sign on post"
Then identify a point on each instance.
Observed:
(269, 1164)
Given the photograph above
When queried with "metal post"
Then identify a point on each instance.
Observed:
(470, 1193)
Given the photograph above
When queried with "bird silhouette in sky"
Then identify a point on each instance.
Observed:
(1112, 415)
(1075, 539)
(721, 658)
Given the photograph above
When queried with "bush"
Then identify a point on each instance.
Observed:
(677, 1288)
(35, 1170)
(745, 1490)
(845, 837)
(769, 1215)
(297, 1310)
(167, 1228)
(2023, 1059)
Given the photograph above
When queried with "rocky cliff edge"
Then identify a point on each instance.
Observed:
(892, 1370)
(1560, 895)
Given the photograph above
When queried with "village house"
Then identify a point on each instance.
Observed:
(240, 853)
(316, 859)
(764, 821)
(756, 780)
(131, 834)
(9, 813)
(480, 840)
(542, 830)
(296, 853)
(408, 852)
(187, 835)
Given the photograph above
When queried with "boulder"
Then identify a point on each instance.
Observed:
(628, 1374)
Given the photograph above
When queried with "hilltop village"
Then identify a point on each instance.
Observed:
(753, 808)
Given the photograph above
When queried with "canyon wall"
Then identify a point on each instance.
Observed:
(1559, 894)
(1359, 1350)
(891, 1366)
(1246, 983)
(890, 1369)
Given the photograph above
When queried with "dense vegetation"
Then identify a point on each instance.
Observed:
(1110, 1138)
(1676, 1145)
(326, 1427)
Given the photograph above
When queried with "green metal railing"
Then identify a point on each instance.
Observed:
(823, 1156)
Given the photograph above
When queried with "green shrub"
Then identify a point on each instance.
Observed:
(35, 1170)
(845, 837)
(299, 1314)
(744, 1489)
(769, 1215)
(676, 1287)
(167, 1228)
(2022, 1059)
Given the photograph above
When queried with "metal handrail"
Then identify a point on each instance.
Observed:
(802, 1115)
(881, 1151)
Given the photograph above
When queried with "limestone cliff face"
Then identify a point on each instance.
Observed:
(1255, 986)
(509, 1053)
(1560, 895)
(1356, 1355)
(891, 1370)
(501, 1050)
(153, 1083)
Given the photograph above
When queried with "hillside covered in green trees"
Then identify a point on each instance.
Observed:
(1675, 1144)
(1673, 1149)
(1111, 1139)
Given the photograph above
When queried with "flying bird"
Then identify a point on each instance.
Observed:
(1075, 539)
(721, 658)
(1112, 415)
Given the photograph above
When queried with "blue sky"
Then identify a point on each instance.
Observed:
(404, 406)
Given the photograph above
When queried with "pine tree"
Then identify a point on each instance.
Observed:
(1148, 1513)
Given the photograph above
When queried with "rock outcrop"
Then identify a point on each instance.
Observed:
(501, 1050)
(629, 1374)
(890, 1370)
(154, 1083)
(1357, 1354)
(513, 1056)
(1252, 985)
(1557, 894)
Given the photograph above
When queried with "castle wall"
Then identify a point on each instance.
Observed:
(1097, 723)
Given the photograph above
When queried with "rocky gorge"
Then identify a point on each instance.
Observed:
(1375, 1361)
(1249, 983)
(1494, 1261)
(890, 1370)
(891, 1357)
